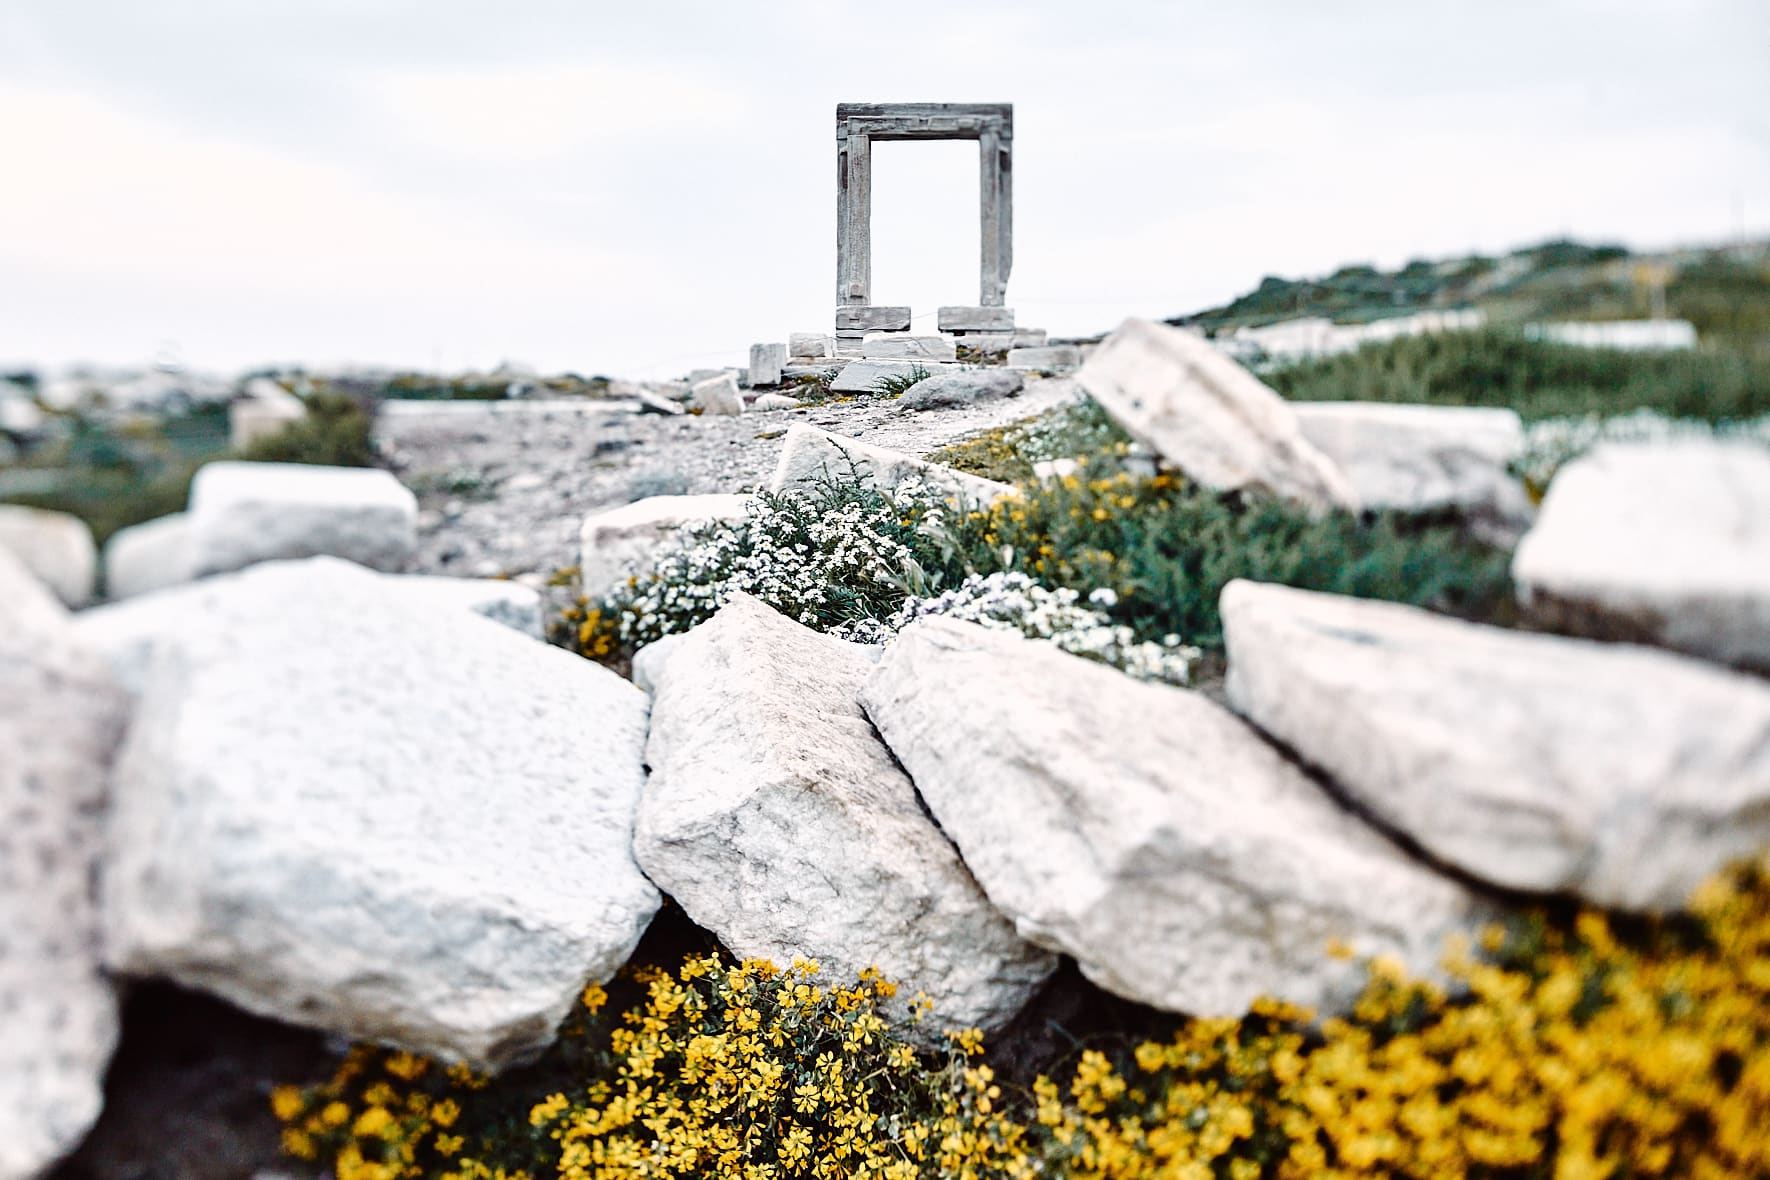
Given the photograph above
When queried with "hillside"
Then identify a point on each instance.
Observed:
(1723, 291)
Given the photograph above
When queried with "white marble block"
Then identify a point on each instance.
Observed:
(975, 319)
(872, 319)
(765, 363)
(718, 395)
(244, 513)
(1055, 358)
(898, 346)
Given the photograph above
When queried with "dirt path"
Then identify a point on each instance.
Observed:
(503, 488)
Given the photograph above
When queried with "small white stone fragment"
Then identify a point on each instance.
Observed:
(774, 401)
(717, 395)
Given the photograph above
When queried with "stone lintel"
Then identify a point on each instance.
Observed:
(924, 120)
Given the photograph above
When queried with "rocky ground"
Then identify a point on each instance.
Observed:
(952, 808)
(504, 486)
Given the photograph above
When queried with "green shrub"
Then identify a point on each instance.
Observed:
(337, 432)
(1167, 548)
(1539, 380)
(113, 477)
(848, 560)
(111, 500)
(894, 384)
(822, 556)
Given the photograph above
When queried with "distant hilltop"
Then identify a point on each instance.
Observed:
(1723, 291)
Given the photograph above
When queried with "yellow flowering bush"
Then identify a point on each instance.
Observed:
(1570, 1048)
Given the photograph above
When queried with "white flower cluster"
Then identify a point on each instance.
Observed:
(1554, 442)
(810, 563)
(1014, 602)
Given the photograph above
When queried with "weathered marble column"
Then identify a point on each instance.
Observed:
(854, 216)
(996, 208)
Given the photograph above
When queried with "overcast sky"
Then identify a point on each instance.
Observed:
(645, 188)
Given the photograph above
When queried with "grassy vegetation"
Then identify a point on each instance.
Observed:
(1539, 380)
(1725, 294)
(1166, 548)
(894, 384)
(337, 432)
(1008, 453)
(114, 476)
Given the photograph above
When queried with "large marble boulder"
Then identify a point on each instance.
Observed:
(55, 547)
(243, 513)
(811, 458)
(1144, 829)
(61, 717)
(1667, 542)
(126, 633)
(618, 543)
(332, 811)
(1621, 774)
(1205, 414)
(963, 388)
(1425, 458)
(149, 556)
(779, 821)
(512, 604)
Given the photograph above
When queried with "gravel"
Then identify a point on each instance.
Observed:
(502, 490)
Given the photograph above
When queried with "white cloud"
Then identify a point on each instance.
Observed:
(100, 190)
(526, 114)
